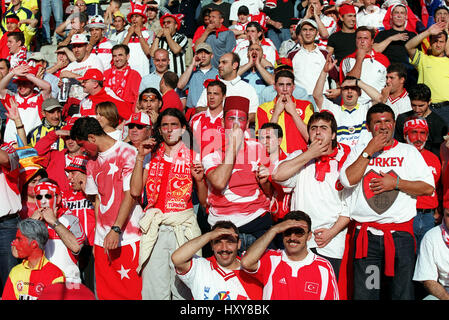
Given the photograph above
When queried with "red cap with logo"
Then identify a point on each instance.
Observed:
(78, 163)
(139, 118)
(92, 74)
(71, 121)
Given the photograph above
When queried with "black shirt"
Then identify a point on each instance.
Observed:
(437, 130)
(395, 51)
(343, 44)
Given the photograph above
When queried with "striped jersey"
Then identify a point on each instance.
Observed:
(177, 61)
(312, 278)
(351, 124)
(25, 283)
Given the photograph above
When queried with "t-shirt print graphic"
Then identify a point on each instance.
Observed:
(380, 203)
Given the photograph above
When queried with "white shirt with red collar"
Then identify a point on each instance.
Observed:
(393, 206)
(138, 60)
(58, 253)
(400, 104)
(312, 278)
(374, 71)
(207, 280)
(207, 131)
(331, 27)
(242, 200)
(103, 50)
(30, 110)
(326, 205)
(269, 50)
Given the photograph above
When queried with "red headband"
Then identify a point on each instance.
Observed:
(50, 187)
(415, 124)
(12, 20)
(345, 9)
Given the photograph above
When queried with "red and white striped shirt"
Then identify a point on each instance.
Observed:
(312, 278)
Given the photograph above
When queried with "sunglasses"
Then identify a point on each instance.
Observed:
(134, 125)
(298, 231)
(149, 98)
(47, 196)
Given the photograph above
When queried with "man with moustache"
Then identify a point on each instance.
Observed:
(316, 171)
(383, 178)
(219, 277)
(294, 273)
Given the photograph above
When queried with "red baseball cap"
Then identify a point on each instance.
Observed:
(178, 18)
(92, 74)
(70, 121)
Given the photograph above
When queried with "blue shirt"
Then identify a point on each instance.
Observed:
(256, 81)
(224, 43)
(151, 80)
(196, 85)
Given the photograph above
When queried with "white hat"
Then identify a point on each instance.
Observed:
(96, 22)
(79, 38)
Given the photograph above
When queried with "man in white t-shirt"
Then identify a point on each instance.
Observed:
(227, 70)
(316, 171)
(394, 92)
(432, 266)
(219, 277)
(84, 59)
(117, 233)
(383, 178)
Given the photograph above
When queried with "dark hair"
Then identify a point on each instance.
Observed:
(218, 83)
(120, 46)
(284, 74)
(399, 68)
(277, 128)
(85, 126)
(365, 28)
(150, 90)
(6, 61)
(41, 172)
(441, 8)
(378, 108)
(187, 137)
(256, 25)
(420, 92)
(325, 116)
(434, 37)
(299, 216)
(171, 79)
(243, 10)
(235, 58)
(359, 91)
(225, 225)
(220, 13)
(12, 16)
(18, 36)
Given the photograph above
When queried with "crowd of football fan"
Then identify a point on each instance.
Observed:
(224, 150)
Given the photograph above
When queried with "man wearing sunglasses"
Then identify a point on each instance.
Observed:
(294, 273)
(139, 129)
(66, 236)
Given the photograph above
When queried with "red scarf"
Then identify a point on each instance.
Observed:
(322, 166)
(175, 196)
(445, 234)
(221, 29)
(118, 80)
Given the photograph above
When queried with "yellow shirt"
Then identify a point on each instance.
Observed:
(433, 72)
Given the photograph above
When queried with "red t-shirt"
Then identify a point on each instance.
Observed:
(430, 202)
(171, 100)
(312, 278)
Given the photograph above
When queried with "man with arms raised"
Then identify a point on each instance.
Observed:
(294, 273)
(219, 277)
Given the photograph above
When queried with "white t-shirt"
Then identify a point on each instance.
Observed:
(307, 66)
(254, 7)
(325, 206)
(433, 259)
(394, 206)
(400, 104)
(209, 281)
(235, 87)
(9, 191)
(92, 62)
